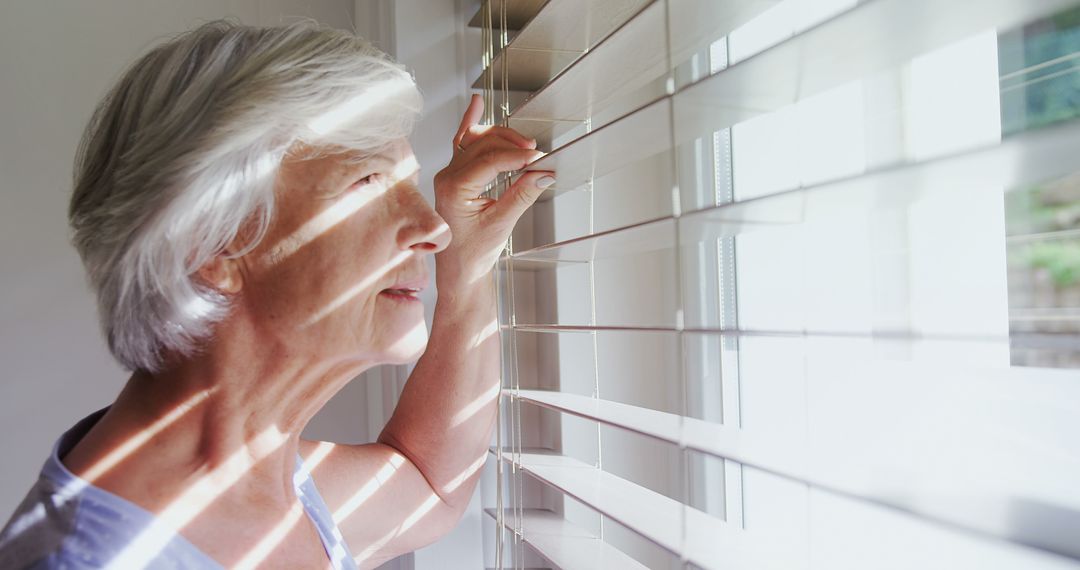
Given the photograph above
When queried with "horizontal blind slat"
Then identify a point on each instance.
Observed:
(558, 34)
(809, 63)
(646, 512)
(633, 56)
(899, 338)
(528, 69)
(873, 475)
(876, 35)
(518, 13)
(608, 148)
(1019, 160)
(567, 546)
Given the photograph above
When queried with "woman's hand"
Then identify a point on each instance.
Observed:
(481, 226)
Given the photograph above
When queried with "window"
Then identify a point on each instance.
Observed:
(774, 312)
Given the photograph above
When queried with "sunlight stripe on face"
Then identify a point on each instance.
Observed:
(404, 169)
(412, 340)
(344, 207)
(355, 290)
(370, 280)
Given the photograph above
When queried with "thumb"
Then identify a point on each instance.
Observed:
(522, 194)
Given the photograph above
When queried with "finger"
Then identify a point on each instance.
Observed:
(477, 132)
(481, 150)
(486, 143)
(500, 159)
(471, 117)
(522, 194)
(487, 164)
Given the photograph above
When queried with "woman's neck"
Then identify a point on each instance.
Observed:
(221, 427)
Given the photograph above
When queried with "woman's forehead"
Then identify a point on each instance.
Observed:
(336, 157)
(329, 169)
(396, 159)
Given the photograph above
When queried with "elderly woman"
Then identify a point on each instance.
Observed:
(246, 206)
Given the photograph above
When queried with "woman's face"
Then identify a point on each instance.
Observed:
(338, 273)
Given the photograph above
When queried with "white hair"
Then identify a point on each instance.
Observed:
(179, 162)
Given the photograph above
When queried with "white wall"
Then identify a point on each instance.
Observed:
(57, 59)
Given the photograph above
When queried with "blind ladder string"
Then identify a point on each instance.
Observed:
(487, 37)
(590, 188)
(514, 419)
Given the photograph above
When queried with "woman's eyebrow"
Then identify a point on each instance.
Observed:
(368, 162)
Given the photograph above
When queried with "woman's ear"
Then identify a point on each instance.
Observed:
(223, 274)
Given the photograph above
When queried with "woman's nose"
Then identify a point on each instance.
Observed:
(426, 231)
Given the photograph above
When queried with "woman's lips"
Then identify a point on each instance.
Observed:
(406, 290)
(403, 295)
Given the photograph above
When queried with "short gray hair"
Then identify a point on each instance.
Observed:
(181, 156)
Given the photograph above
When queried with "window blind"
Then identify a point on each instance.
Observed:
(806, 292)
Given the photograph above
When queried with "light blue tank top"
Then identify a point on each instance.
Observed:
(65, 522)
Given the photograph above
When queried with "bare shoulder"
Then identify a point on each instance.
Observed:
(381, 502)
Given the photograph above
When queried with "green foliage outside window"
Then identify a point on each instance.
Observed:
(1040, 66)
(1040, 69)
(1061, 259)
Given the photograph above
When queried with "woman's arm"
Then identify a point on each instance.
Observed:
(444, 420)
(411, 487)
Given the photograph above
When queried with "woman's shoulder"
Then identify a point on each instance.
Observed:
(65, 522)
(37, 530)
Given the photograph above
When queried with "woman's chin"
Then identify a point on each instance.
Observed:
(409, 346)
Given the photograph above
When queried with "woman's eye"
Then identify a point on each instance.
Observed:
(369, 183)
(365, 181)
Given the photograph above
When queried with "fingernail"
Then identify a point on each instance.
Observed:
(545, 181)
